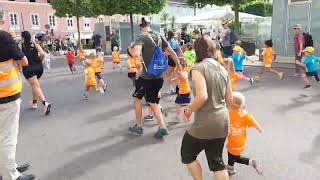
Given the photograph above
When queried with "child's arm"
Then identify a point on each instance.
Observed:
(258, 128)
(128, 64)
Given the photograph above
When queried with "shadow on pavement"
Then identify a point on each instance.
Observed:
(312, 156)
(91, 160)
(298, 102)
(110, 114)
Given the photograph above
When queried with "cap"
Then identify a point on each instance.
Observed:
(237, 49)
(145, 21)
(309, 50)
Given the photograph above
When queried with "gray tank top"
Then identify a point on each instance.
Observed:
(211, 121)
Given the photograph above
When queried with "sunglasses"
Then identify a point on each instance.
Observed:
(295, 28)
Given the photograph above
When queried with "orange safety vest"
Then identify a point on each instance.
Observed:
(10, 80)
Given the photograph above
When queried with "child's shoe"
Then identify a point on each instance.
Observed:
(254, 164)
(231, 170)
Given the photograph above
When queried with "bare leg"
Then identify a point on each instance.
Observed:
(221, 175)
(178, 109)
(195, 170)
(274, 71)
(261, 71)
(157, 114)
(138, 111)
(36, 90)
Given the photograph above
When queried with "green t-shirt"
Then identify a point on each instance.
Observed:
(190, 57)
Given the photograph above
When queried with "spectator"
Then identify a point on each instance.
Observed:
(10, 89)
(210, 128)
(298, 46)
(96, 39)
(115, 40)
(225, 39)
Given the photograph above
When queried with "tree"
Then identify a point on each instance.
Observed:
(164, 20)
(235, 4)
(173, 23)
(258, 8)
(131, 7)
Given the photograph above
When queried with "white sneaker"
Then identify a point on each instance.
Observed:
(34, 106)
(101, 90)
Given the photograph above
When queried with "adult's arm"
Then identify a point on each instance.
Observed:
(301, 42)
(201, 94)
(40, 51)
(228, 97)
(174, 57)
(23, 61)
(135, 49)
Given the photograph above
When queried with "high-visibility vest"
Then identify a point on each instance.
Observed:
(10, 80)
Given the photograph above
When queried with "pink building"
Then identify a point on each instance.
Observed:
(34, 15)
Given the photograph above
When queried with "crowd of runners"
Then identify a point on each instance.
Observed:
(214, 67)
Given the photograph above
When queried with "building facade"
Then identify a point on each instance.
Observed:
(287, 13)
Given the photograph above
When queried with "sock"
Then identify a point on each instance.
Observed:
(34, 101)
(250, 162)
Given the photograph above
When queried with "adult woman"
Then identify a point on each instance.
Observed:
(175, 46)
(34, 70)
(298, 42)
(210, 128)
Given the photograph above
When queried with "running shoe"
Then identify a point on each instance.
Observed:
(148, 118)
(161, 132)
(135, 130)
(231, 170)
(47, 108)
(307, 87)
(85, 96)
(251, 80)
(101, 90)
(105, 87)
(255, 166)
(281, 75)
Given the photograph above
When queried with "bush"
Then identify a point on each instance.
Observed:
(258, 8)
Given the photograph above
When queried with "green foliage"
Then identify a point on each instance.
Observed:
(259, 8)
(173, 23)
(164, 17)
(77, 8)
(202, 3)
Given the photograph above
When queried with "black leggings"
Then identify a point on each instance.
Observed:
(72, 69)
(237, 159)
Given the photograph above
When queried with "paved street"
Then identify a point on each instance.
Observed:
(88, 140)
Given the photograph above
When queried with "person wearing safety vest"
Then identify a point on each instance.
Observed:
(11, 57)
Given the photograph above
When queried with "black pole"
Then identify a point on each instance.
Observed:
(131, 23)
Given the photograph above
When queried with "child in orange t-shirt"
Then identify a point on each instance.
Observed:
(82, 55)
(233, 75)
(240, 121)
(134, 65)
(268, 56)
(97, 64)
(116, 58)
(184, 97)
(90, 81)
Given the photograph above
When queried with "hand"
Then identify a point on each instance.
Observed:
(297, 62)
(186, 115)
(300, 53)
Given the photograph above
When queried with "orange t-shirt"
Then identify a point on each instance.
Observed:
(82, 55)
(239, 123)
(116, 56)
(184, 86)
(234, 77)
(90, 76)
(268, 55)
(97, 64)
(135, 65)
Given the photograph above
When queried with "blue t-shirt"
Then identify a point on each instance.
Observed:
(238, 61)
(174, 45)
(312, 63)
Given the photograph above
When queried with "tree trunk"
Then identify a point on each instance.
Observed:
(131, 24)
(236, 15)
(78, 29)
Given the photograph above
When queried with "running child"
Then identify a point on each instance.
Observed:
(134, 66)
(82, 55)
(97, 66)
(234, 76)
(100, 54)
(269, 55)
(238, 59)
(240, 121)
(184, 97)
(190, 56)
(311, 65)
(90, 81)
(116, 58)
(238, 45)
(71, 61)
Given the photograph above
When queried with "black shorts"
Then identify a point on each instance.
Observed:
(313, 74)
(183, 99)
(191, 147)
(149, 89)
(239, 70)
(132, 75)
(31, 73)
(98, 75)
(171, 62)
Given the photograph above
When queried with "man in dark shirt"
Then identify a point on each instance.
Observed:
(149, 87)
(10, 89)
(96, 41)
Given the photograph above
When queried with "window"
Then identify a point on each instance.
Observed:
(100, 19)
(13, 19)
(299, 1)
(35, 20)
(52, 21)
(32, 0)
(70, 23)
(86, 23)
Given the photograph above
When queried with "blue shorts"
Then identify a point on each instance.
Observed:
(183, 99)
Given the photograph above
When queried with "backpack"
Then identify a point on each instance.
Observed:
(158, 63)
(233, 36)
(308, 41)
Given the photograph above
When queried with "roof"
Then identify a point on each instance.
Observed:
(178, 1)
